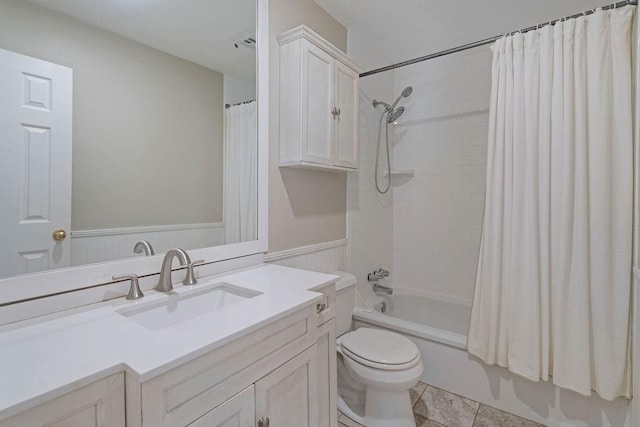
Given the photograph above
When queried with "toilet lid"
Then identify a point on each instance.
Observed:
(380, 346)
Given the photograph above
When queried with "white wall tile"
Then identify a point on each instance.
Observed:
(427, 230)
(437, 216)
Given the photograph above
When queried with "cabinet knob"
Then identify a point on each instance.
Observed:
(263, 422)
(335, 111)
(320, 307)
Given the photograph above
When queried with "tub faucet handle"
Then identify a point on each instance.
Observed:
(374, 277)
(384, 273)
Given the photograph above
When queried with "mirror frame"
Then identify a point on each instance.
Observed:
(54, 282)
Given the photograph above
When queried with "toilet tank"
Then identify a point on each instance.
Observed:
(345, 301)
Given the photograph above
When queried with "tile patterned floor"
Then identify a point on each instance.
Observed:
(434, 407)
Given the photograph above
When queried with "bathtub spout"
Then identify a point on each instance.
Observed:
(382, 289)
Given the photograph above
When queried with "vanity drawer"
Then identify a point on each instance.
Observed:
(326, 309)
(184, 394)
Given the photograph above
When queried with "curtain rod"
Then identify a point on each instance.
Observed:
(239, 103)
(491, 39)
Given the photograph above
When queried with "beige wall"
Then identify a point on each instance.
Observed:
(305, 207)
(147, 126)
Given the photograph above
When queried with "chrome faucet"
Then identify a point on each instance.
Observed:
(378, 274)
(164, 284)
(378, 288)
(143, 246)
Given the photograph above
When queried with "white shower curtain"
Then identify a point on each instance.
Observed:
(241, 173)
(553, 284)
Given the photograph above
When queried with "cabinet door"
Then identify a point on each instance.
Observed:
(327, 375)
(288, 396)
(347, 101)
(239, 411)
(317, 102)
(98, 404)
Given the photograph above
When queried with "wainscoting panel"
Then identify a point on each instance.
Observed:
(322, 257)
(91, 246)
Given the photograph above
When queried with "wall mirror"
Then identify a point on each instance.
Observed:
(128, 128)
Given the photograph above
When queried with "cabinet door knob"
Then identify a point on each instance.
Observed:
(320, 307)
(335, 111)
(263, 422)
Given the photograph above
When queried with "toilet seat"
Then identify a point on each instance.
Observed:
(380, 349)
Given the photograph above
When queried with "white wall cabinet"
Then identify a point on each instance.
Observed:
(318, 103)
(100, 404)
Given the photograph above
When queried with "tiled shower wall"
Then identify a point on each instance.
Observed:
(370, 215)
(437, 215)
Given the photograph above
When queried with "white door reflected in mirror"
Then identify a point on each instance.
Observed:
(35, 164)
(116, 130)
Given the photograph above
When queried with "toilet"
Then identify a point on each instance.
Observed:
(376, 368)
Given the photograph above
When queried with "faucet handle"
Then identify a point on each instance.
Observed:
(134, 289)
(383, 272)
(374, 277)
(190, 279)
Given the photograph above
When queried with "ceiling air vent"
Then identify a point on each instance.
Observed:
(248, 42)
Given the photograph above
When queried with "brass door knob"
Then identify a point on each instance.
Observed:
(59, 235)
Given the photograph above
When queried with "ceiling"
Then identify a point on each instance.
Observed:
(405, 29)
(200, 31)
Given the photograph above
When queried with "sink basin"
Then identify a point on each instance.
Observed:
(179, 308)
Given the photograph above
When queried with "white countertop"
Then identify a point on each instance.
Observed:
(44, 359)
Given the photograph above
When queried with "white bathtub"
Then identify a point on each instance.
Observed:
(439, 329)
(416, 315)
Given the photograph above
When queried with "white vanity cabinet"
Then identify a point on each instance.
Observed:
(318, 103)
(327, 357)
(285, 397)
(239, 411)
(100, 404)
(277, 361)
(281, 372)
(288, 396)
(327, 375)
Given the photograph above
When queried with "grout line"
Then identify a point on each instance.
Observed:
(420, 395)
(476, 415)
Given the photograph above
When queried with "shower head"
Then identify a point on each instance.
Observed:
(395, 114)
(405, 93)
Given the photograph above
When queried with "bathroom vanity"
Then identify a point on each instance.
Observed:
(263, 352)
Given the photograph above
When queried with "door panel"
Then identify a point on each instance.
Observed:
(288, 396)
(347, 122)
(239, 411)
(317, 101)
(35, 163)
